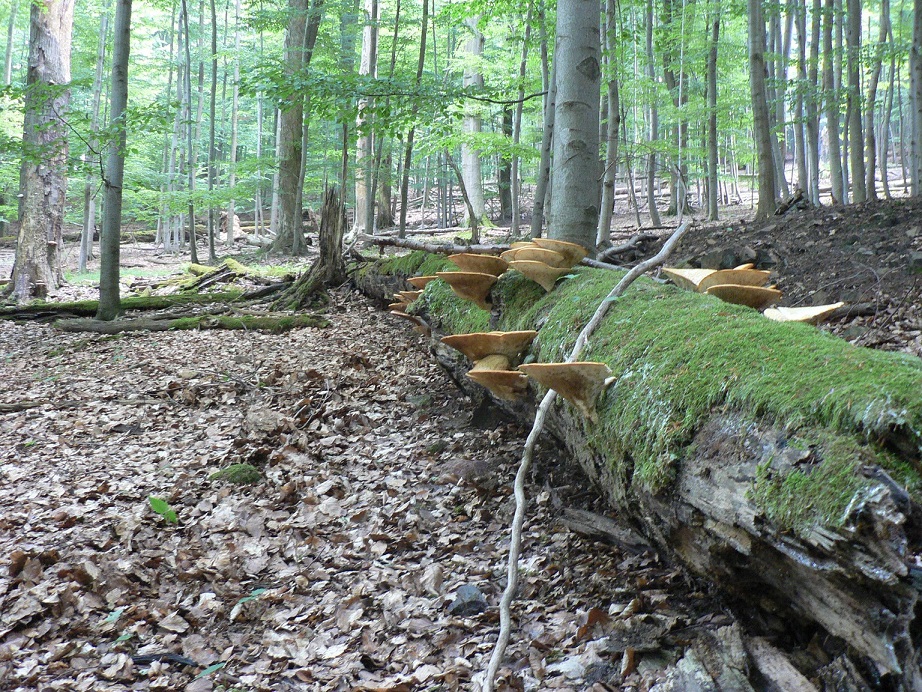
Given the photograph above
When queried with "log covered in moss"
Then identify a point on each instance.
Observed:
(779, 461)
(276, 324)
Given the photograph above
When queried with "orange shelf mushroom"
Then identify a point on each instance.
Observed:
(473, 286)
(580, 383)
(483, 264)
(419, 282)
(738, 277)
(409, 296)
(419, 325)
(539, 272)
(479, 345)
(540, 254)
(813, 314)
(754, 296)
(505, 384)
(571, 251)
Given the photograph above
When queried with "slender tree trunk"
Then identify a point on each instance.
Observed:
(549, 81)
(43, 175)
(470, 155)
(853, 105)
(235, 109)
(760, 118)
(915, 119)
(190, 160)
(870, 142)
(8, 58)
(654, 122)
(812, 105)
(799, 8)
(408, 154)
(212, 125)
(92, 157)
(517, 127)
(888, 110)
(109, 301)
(576, 142)
(712, 112)
(612, 126)
(830, 94)
(364, 151)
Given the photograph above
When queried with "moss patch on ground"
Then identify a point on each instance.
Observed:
(88, 308)
(679, 356)
(238, 474)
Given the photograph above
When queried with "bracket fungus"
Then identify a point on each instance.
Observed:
(479, 345)
(754, 296)
(473, 286)
(539, 272)
(505, 384)
(419, 325)
(812, 314)
(409, 296)
(419, 282)
(509, 255)
(572, 252)
(580, 383)
(738, 277)
(483, 264)
(398, 307)
(540, 254)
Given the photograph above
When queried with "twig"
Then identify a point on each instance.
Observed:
(515, 544)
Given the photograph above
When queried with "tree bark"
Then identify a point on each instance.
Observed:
(760, 118)
(470, 155)
(653, 121)
(853, 102)
(190, 146)
(831, 96)
(547, 131)
(575, 206)
(111, 230)
(612, 127)
(870, 138)
(364, 149)
(8, 57)
(712, 112)
(43, 174)
(915, 119)
(408, 154)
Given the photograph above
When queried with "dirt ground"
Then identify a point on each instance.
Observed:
(382, 500)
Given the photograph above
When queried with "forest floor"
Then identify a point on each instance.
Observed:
(370, 553)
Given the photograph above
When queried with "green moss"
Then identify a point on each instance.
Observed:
(238, 474)
(455, 315)
(274, 324)
(87, 308)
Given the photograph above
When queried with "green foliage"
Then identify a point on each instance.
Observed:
(163, 508)
(238, 474)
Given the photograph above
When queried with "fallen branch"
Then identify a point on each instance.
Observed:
(634, 243)
(434, 248)
(271, 323)
(515, 546)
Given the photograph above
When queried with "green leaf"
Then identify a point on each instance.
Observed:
(114, 615)
(253, 595)
(124, 637)
(211, 669)
(162, 508)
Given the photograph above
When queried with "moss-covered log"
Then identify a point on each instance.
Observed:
(42, 311)
(266, 323)
(775, 459)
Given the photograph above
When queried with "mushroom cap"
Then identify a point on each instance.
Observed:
(473, 286)
(505, 384)
(483, 264)
(689, 279)
(748, 265)
(398, 307)
(479, 345)
(573, 252)
(420, 281)
(579, 383)
(539, 272)
(509, 255)
(540, 254)
(495, 361)
(812, 314)
(521, 243)
(410, 296)
(739, 277)
(754, 296)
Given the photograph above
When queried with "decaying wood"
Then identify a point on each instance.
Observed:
(776, 669)
(600, 527)
(634, 243)
(433, 248)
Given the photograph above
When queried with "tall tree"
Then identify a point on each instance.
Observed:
(364, 151)
(109, 301)
(712, 162)
(8, 57)
(760, 122)
(235, 112)
(190, 153)
(915, 73)
(853, 101)
(831, 97)
(653, 117)
(575, 205)
(612, 126)
(414, 109)
(470, 156)
(43, 174)
(549, 82)
(870, 140)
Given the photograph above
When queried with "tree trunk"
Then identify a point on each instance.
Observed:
(576, 141)
(408, 154)
(812, 105)
(235, 110)
(870, 141)
(92, 158)
(504, 173)
(654, 122)
(712, 112)
(549, 81)
(112, 216)
(470, 155)
(760, 118)
(517, 127)
(190, 154)
(612, 127)
(831, 96)
(364, 150)
(212, 125)
(915, 118)
(43, 175)
(8, 58)
(853, 104)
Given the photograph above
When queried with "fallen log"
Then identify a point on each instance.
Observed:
(778, 461)
(275, 324)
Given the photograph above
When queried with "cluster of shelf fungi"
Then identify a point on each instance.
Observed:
(496, 355)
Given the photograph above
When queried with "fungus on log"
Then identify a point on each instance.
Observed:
(689, 279)
(756, 297)
(572, 252)
(410, 296)
(539, 254)
(472, 286)
(479, 345)
(419, 282)
(813, 314)
(580, 383)
(507, 385)
(419, 324)
(539, 272)
(483, 264)
(738, 277)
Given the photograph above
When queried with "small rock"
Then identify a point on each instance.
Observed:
(468, 601)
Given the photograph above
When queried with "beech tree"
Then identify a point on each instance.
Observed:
(760, 121)
(43, 175)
